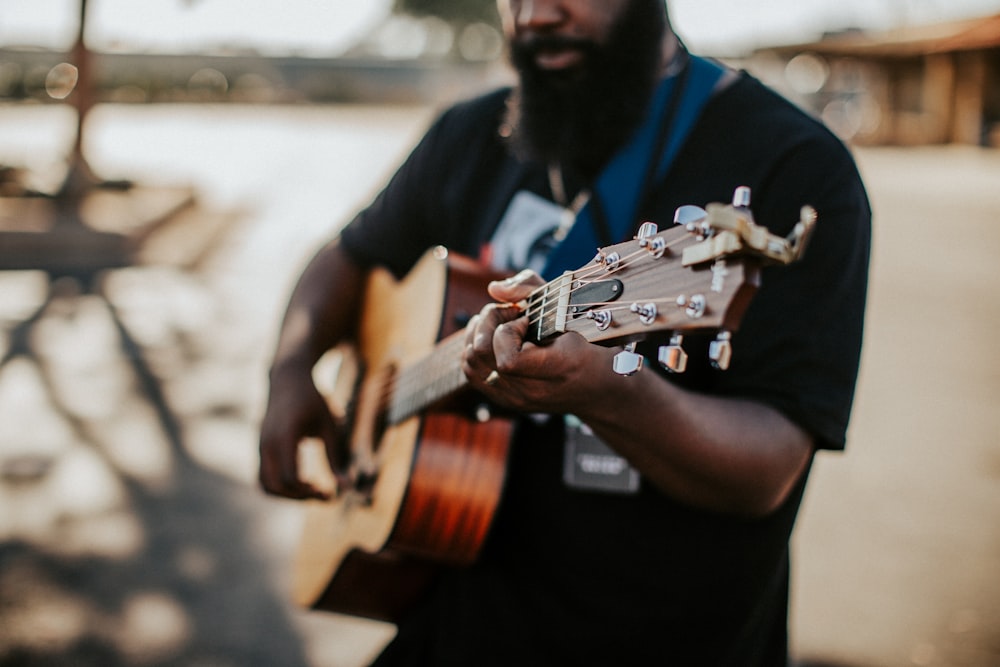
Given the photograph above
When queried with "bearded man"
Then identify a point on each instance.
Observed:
(681, 555)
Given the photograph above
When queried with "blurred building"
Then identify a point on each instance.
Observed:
(910, 86)
(47, 76)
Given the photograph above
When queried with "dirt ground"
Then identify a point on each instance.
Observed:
(132, 533)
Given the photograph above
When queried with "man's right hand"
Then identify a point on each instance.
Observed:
(295, 412)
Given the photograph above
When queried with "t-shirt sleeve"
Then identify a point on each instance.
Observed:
(395, 229)
(799, 345)
(439, 195)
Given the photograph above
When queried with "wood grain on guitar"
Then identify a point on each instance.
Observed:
(429, 458)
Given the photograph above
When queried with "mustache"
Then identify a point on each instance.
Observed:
(532, 45)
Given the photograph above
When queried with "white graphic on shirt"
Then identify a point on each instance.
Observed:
(525, 235)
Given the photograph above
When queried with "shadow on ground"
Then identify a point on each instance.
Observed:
(117, 547)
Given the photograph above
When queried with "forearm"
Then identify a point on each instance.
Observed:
(321, 310)
(725, 454)
(718, 453)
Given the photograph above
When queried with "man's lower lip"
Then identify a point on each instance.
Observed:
(557, 60)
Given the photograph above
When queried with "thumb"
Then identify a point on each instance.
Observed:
(516, 287)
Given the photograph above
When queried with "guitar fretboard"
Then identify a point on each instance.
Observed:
(429, 380)
(439, 374)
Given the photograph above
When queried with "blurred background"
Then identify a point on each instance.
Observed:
(167, 168)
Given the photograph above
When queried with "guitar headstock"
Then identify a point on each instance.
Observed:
(698, 275)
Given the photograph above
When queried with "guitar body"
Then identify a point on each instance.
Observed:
(440, 473)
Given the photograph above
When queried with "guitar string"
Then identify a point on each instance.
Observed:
(450, 376)
(598, 270)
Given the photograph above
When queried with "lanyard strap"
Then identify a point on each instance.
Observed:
(645, 159)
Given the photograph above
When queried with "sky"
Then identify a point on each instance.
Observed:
(329, 26)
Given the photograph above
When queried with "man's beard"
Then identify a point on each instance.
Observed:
(578, 118)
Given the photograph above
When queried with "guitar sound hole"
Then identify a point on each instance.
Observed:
(364, 486)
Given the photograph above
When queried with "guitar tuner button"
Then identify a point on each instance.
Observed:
(673, 357)
(720, 351)
(627, 362)
(689, 215)
(646, 231)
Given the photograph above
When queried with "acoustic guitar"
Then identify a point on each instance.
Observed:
(429, 455)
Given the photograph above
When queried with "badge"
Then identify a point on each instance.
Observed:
(526, 232)
(590, 465)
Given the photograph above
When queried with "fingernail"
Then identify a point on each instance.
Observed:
(519, 278)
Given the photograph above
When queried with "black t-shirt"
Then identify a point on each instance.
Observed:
(578, 578)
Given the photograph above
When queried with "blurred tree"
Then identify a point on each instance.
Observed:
(452, 11)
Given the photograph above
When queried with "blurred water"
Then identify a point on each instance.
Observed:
(299, 172)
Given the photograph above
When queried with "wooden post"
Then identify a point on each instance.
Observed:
(79, 177)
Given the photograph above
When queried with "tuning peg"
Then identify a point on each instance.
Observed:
(647, 238)
(627, 362)
(695, 306)
(647, 231)
(602, 318)
(741, 197)
(647, 312)
(673, 357)
(690, 215)
(612, 261)
(720, 351)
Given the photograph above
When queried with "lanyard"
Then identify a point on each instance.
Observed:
(599, 216)
(626, 180)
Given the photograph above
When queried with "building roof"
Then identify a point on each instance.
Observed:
(967, 35)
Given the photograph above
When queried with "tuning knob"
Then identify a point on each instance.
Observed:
(689, 215)
(720, 351)
(673, 357)
(647, 231)
(648, 239)
(741, 197)
(627, 362)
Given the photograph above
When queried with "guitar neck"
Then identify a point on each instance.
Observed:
(688, 278)
(438, 376)
(430, 380)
